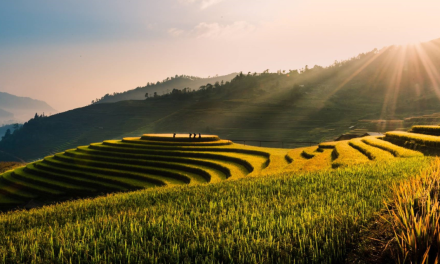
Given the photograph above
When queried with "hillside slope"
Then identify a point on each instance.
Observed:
(315, 104)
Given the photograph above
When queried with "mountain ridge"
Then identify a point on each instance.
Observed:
(9, 101)
(22, 108)
(167, 85)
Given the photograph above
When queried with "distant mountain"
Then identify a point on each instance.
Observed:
(5, 114)
(6, 117)
(22, 108)
(166, 86)
(369, 91)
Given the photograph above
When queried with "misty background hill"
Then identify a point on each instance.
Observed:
(5, 114)
(15, 109)
(375, 90)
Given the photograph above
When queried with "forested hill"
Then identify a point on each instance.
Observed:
(313, 104)
(166, 86)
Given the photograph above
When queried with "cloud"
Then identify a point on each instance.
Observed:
(175, 32)
(203, 3)
(215, 30)
(208, 3)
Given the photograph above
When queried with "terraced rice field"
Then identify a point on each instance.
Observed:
(421, 138)
(428, 130)
(313, 217)
(135, 163)
(304, 205)
(160, 160)
(5, 166)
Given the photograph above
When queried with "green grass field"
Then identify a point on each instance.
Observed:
(200, 200)
(309, 218)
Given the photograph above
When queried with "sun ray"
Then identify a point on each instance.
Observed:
(417, 78)
(382, 71)
(430, 69)
(347, 80)
(392, 91)
(359, 70)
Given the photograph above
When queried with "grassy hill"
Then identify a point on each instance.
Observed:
(305, 205)
(372, 91)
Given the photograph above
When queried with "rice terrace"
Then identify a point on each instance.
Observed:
(218, 131)
(206, 199)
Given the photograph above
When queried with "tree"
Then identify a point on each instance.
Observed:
(176, 91)
(7, 134)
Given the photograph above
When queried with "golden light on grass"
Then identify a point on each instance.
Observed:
(414, 216)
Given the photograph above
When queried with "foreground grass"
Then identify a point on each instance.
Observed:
(306, 218)
(413, 216)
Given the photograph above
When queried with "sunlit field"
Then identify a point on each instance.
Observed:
(301, 218)
(203, 199)
(161, 160)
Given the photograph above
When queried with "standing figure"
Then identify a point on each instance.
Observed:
(195, 135)
(200, 136)
(190, 135)
(174, 135)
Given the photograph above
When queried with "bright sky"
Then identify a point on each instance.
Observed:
(72, 51)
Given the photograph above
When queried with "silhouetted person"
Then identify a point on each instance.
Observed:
(174, 135)
(190, 135)
(200, 136)
(195, 135)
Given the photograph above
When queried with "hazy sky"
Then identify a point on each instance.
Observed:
(72, 51)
